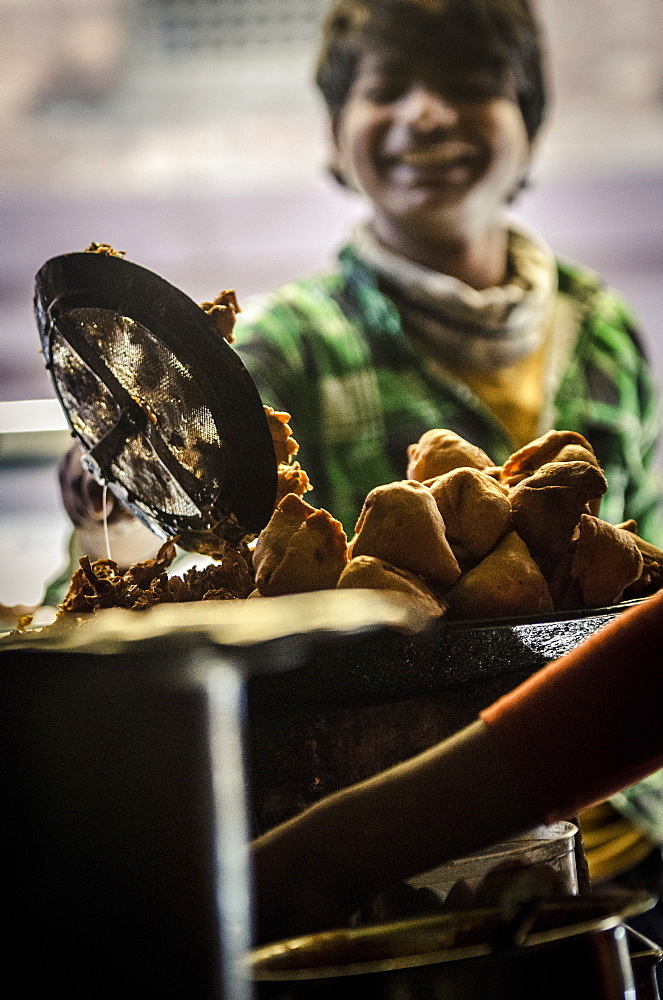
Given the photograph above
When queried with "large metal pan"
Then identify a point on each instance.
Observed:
(351, 709)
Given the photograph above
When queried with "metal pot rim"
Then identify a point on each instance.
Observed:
(254, 965)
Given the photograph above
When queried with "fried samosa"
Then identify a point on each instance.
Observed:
(507, 582)
(547, 507)
(475, 510)
(606, 560)
(555, 446)
(367, 572)
(401, 524)
(439, 451)
(651, 577)
(301, 549)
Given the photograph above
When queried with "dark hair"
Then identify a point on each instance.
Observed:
(501, 34)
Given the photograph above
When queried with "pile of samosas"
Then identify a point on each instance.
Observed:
(467, 538)
(459, 535)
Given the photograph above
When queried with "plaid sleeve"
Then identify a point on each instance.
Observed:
(267, 340)
(638, 417)
(609, 394)
(644, 488)
(308, 357)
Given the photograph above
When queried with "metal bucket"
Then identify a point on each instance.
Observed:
(545, 853)
(575, 948)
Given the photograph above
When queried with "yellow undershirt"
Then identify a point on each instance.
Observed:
(514, 394)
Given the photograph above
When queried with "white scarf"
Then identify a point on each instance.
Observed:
(461, 325)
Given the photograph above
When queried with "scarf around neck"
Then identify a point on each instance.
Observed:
(466, 327)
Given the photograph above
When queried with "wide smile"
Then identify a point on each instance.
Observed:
(453, 164)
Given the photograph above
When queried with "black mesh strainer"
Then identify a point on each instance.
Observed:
(167, 414)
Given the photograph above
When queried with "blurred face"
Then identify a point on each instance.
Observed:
(438, 151)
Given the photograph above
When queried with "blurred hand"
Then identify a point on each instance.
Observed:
(82, 496)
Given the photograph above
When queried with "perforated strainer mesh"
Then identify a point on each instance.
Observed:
(93, 411)
(139, 467)
(163, 389)
(159, 383)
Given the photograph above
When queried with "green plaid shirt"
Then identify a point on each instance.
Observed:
(332, 352)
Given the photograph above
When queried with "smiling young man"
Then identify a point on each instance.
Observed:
(443, 312)
(439, 150)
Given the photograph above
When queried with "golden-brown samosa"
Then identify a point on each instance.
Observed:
(606, 560)
(507, 582)
(555, 446)
(367, 572)
(475, 510)
(273, 540)
(301, 549)
(400, 523)
(651, 577)
(548, 504)
(439, 451)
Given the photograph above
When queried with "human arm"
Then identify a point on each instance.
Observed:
(540, 753)
(644, 489)
(622, 359)
(609, 392)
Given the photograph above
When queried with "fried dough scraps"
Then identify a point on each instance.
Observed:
(284, 443)
(291, 478)
(223, 310)
(99, 584)
(104, 248)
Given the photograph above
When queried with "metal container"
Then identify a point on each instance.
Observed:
(575, 949)
(545, 853)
